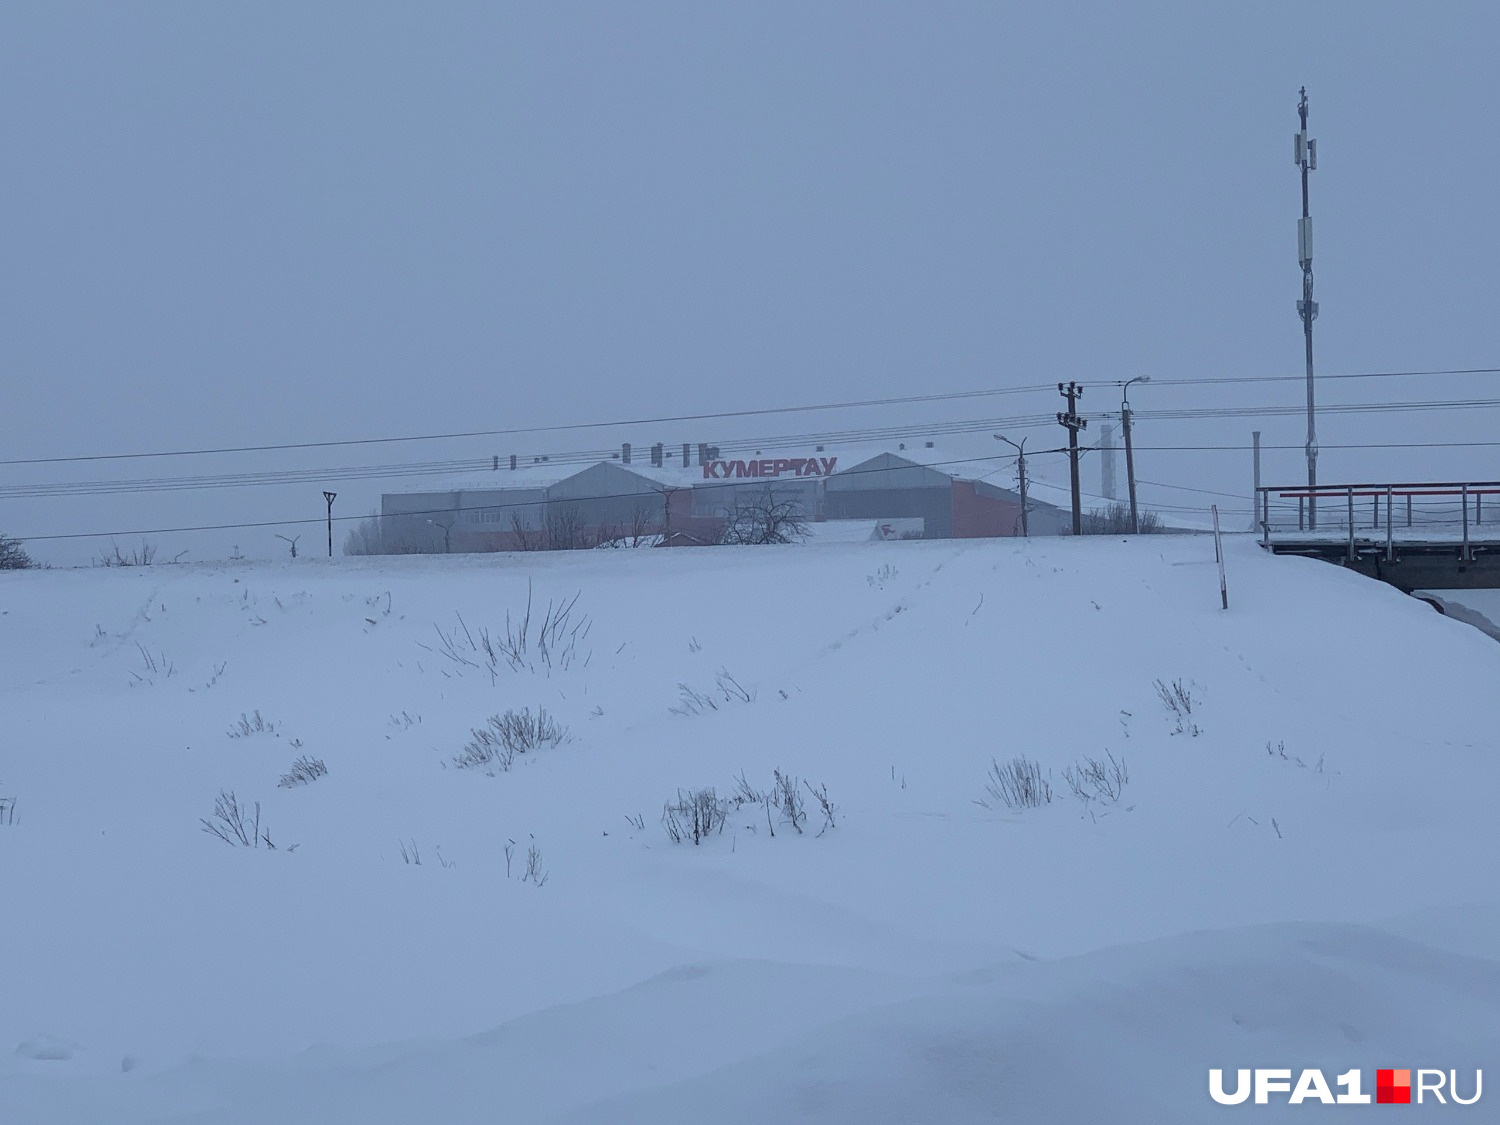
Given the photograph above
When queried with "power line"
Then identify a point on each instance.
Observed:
(761, 412)
(1209, 381)
(864, 435)
(904, 400)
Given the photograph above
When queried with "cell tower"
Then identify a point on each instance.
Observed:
(1306, 153)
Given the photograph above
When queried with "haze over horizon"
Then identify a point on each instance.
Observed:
(230, 227)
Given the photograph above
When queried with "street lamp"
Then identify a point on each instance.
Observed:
(445, 529)
(1021, 472)
(1135, 521)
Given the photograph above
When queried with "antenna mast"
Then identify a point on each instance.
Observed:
(1306, 154)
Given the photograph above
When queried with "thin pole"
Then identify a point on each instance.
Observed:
(1465, 555)
(1390, 527)
(329, 496)
(1307, 308)
(1021, 472)
(1351, 521)
(1255, 441)
(1021, 469)
(1072, 392)
(1125, 414)
(1219, 556)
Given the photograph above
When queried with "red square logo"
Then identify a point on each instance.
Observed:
(1393, 1087)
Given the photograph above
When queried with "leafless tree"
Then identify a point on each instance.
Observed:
(641, 528)
(767, 517)
(392, 535)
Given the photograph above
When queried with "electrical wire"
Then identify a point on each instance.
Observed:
(709, 416)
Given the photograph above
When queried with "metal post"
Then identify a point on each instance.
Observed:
(329, 496)
(1265, 516)
(1125, 413)
(1255, 444)
(1301, 512)
(1479, 507)
(1306, 151)
(1375, 503)
(1408, 509)
(1350, 493)
(1219, 554)
(1465, 497)
(1390, 527)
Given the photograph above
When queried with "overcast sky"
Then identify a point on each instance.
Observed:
(226, 225)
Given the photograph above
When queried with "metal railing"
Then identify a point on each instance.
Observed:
(1432, 511)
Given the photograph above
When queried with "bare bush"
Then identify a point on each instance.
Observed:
(7, 810)
(766, 517)
(1019, 784)
(144, 555)
(13, 556)
(236, 825)
(535, 872)
(304, 771)
(1095, 779)
(1177, 697)
(154, 664)
(699, 813)
(726, 689)
(251, 724)
(696, 815)
(516, 732)
(827, 807)
(529, 644)
(786, 799)
(1115, 520)
(412, 854)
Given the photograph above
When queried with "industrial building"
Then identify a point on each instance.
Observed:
(546, 505)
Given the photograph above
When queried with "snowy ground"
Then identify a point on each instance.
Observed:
(1309, 880)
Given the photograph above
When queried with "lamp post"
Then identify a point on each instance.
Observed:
(1021, 472)
(445, 529)
(1135, 520)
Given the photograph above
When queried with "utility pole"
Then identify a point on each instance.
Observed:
(1135, 518)
(1073, 392)
(1021, 473)
(1306, 155)
(329, 496)
(1255, 504)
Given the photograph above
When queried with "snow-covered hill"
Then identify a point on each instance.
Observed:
(1303, 874)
